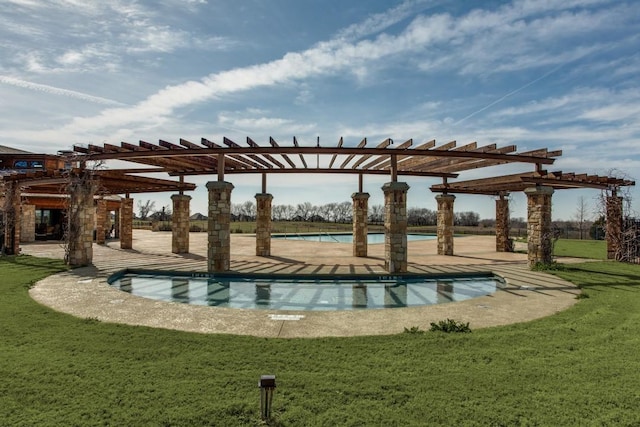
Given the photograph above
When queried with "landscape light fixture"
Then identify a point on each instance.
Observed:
(267, 386)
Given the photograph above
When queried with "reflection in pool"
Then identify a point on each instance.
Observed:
(306, 293)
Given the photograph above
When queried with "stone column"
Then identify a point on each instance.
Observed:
(539, 233)
(12, 218)
(116, 223)
(445, 223)
(28, 224)
(263, 224)
(613, 226)
(80, 225)
(503, 242)
(219, 225)
(101, 215)
(126, 223)
(395, 226)
(180, 224)
(360, 218)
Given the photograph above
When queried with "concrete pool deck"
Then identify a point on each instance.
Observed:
(84, 292)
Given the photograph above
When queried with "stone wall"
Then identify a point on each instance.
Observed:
(126, 223)
(360, 220)
(614, 226)
(503, 241)
(395, 226)
(180, 224)
(445, 223)
(539, 232)
(12, 218)
(28, 224)
(219, 238)
(263, 224)
(101, 219)
(81, 220)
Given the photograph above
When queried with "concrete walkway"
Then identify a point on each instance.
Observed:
(84, 292)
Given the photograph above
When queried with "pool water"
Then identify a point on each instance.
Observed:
(306, 293)
(372, 238)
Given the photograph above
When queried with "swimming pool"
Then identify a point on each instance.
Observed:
(314, 293)
(372, 238)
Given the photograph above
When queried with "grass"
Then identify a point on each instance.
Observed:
(593, 249)
(578, 367)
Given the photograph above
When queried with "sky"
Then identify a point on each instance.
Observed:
(556, 74)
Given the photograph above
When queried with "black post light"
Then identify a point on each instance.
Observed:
(267, 386)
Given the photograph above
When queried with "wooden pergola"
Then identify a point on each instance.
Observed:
(501, 185)
(428, 159)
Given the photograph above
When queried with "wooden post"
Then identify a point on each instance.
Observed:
(220, 167)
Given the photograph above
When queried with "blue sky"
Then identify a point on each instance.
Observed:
(561, 74)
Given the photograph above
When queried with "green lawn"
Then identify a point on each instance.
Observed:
(578, 367)
(594, 249)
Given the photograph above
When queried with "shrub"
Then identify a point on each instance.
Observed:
(450, 325)
(413, 330)
(582, 295)
(552, 266)
(195, 228)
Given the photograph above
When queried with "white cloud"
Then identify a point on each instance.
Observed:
(57, 91)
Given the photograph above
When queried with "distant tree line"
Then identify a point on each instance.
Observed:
(343, 213)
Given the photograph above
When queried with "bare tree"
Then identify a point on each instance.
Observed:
(581, 215)
(376, 214)
(145, 208)
(303, 211)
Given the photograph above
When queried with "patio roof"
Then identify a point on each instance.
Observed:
(385, 158)
(501, 185)
(109, 182)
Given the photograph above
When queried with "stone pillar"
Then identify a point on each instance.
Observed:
(395, 226)
(107, 222)
(445, 223)
(80, 225)
(219, 225)
(263, 224)
(613, 226)
(12, 218)
(539, 233)
(126, 223)
(101, 215)
(503, 241)
(116, 223)
(360, 219)
(28, 224)
(180, 224)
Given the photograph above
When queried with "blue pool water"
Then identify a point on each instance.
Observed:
(372, 238)
(305, 293)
